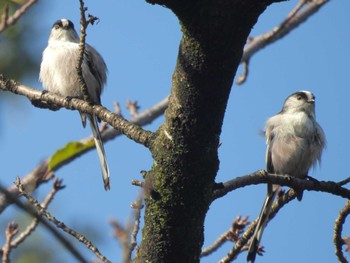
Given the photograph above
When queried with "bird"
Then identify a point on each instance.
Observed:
(58, 75)
(295, 142)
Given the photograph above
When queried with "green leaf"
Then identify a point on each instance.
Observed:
(69, 151)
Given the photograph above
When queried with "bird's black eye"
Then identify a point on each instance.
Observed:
(58, 24)
(299, 97)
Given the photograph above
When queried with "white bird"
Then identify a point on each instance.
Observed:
(295, 142)
(59, 75)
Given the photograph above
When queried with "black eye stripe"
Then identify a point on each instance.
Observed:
(57, 24)
(63, 24)
(300, 95)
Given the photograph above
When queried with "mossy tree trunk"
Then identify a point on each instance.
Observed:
(185, 150)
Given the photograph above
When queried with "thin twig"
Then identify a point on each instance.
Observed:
(127, 236)
(233, 235)
(133, 108)
(9, 21)
(241, 243)
(222, 239)
(137, 183)
(11, 230)
(137, 206)
(338, 228)
(345, 181)
(84, 24)
(41, 174)
(295, 10)
(293, 20)
(243, 77)
(117, 108)
(60, 224)
(31, 211)
(31, 181)
(57, 185)
(5, 16)
(121, 233)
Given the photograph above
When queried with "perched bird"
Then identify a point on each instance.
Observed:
(295, 142)
(59, 75)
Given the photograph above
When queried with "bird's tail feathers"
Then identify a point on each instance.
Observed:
(260, 226)
(100, 150)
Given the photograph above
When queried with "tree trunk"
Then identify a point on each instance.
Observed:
(185, 151)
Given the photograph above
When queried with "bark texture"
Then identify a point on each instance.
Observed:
(181, 182)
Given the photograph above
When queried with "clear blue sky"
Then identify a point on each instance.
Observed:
(139, 43)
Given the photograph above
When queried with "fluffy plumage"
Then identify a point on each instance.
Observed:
(58, 75)
(295, 142)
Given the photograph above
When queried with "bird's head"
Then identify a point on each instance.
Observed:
(63, 30)
(300, 101)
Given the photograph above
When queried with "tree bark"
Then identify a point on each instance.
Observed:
(180, 185)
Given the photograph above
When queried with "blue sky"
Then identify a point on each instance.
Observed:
(139, 43)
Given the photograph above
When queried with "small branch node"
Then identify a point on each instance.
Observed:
(137, 183)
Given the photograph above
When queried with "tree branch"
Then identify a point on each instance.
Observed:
(137, 206)
(30, 182)
(31, 211)
(311, 185)
(10, 232)
(262, 177)
(338, 228)
(42, 173)
(131, 130)
(241, 243)
(57, 185)
(43, 212)
(233, 234)
(84, 24)
(291, 22)
(11, 20)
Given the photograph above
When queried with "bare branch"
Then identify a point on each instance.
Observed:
(137, 206)
(338, 228)
(241, 243)
(262, 177)
(133, 108)
(293, 20)
(84, 24)
(296, 9)
(129, 129)
(117, 108)
(42, 211)
(127, 235)
(30, 182)
(137, 183)
(42, 174)
(4, 16)
(11, 230)
(31, 211)
(345, 181)
(9, 21)
(233, 234)
(57, 185)
(121, 234)
(222, 239)
(243, 77)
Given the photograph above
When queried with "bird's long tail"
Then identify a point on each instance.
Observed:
(100, 150)
(260, 226)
